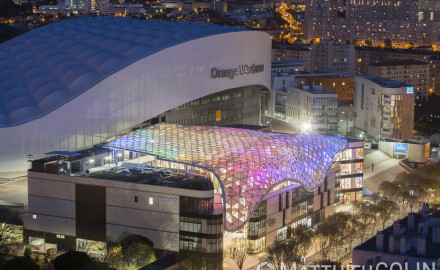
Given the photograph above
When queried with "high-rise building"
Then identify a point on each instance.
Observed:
(412, 72)
(370, 21)
(342, 84)
(332, 55)
(365, 56)
(282, 51)
(384, 108)
(312, 109)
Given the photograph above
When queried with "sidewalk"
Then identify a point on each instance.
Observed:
(379, 168)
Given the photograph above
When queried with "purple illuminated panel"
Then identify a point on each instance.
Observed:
(247, 163)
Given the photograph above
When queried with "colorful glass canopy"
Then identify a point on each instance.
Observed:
(247, 163)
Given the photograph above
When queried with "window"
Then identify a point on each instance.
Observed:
(358, 182)
(136, 199)
(34, 216)
(346, 183)
(282, 234)
(257, 228)
(60, 236)
(188, 224)
(190, 243)
(150, 201)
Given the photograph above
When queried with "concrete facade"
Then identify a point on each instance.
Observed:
(384, 108)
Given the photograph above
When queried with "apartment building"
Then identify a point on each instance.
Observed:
(384, 108)
(412, 72)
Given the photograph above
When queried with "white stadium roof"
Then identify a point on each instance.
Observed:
(47, 67)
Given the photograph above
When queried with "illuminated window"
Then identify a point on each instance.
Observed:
(150, 201)
(34, 216)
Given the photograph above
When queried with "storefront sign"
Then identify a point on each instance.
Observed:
(231, 73)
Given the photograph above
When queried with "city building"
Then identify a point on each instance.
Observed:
(341, 84)
(365, 56)
(414, 152)
(412, 72)
(346, 118)
(351, 175)
(336, 81)
(413, 241)
(365, 22)
(384, 108)
(283, 51)
(286, 66)
(329, 54)
(312, 109)
(76, 83)
(184, 186)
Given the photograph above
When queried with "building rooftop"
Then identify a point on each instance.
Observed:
(290, 46)
(384, 82)
(419, 50)
(401, 230)
(404, 62)
(287, 61)
(247, 163)
(316, 90)
(329, 72)
(151, 175)
(45, 68)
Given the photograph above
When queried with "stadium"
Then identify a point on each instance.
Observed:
(79, 82)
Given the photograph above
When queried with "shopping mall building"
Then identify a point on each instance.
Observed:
(125, 124)
(183, 187)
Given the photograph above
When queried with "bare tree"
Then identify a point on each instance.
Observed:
(238, 251)
(286, 252)
(332, 233)
(386, 208)
(365, 218)
(304, 237)
(389, 189)
(11, 230)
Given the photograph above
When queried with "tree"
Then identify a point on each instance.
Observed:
(332, 233)
(364, 217)
(10, 228)
(137, 250)
(388, 43)
(390, 190)
(21, 263)
(286, 252)
(114, 256)
(304, 237)
(190, 260)
(73, 260)
(237, 251)
(369, 43)
(386, 208)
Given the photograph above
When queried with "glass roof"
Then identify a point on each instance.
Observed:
(247, 163)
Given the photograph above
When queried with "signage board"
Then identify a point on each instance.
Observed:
(401, 148)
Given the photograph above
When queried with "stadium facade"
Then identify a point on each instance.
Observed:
(77, 83)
